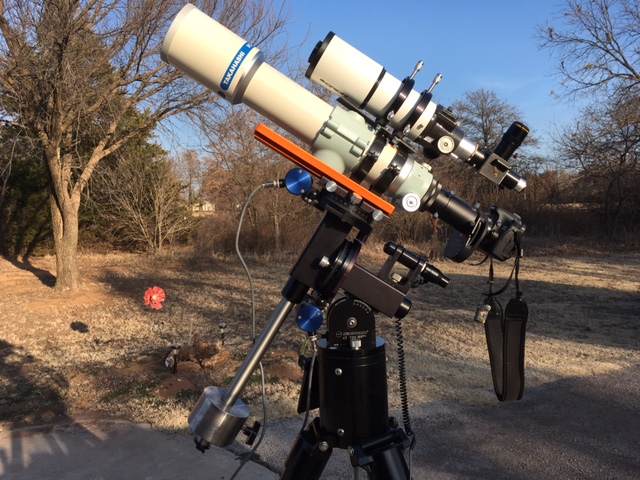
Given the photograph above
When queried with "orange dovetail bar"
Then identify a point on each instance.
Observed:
(307, 161)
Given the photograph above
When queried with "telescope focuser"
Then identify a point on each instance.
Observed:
(495, 167)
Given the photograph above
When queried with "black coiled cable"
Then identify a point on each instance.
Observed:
(402, 376)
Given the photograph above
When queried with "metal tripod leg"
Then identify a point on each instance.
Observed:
(382, 457)
(308, 456)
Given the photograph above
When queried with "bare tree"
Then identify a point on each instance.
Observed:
(72, 72)
(595, 43)
(236, 166)
(484, 117)
(143, 201)
(604, 148)
(189, 167)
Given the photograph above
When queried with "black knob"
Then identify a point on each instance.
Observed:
(251, 432)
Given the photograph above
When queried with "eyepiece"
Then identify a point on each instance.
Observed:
(511, 140)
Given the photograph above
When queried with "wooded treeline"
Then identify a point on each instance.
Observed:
(145, 199)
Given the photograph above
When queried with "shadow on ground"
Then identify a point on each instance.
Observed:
(90, 448)
(44, 276)
(578, 428)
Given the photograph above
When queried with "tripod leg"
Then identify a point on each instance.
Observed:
(389, 465)
(382, 457)
(308, 456)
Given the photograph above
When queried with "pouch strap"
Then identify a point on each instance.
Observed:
(505, 332)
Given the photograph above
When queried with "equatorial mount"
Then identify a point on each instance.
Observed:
(349, 386)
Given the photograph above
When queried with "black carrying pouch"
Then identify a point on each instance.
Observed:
(506, 331)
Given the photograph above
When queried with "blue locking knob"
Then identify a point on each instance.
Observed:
(298, 181)
(309, 318)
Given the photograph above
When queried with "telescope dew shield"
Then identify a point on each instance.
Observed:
(227, 64)
(193, 44)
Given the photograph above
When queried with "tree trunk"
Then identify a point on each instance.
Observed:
(65, 235)
(436, 252)
(277, 244)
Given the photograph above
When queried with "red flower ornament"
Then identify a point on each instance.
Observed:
(154, 297)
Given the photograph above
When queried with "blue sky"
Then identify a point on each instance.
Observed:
(473, 44)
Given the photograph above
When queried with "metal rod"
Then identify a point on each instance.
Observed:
(257, 352)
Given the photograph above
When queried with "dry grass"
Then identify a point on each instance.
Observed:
(101, 351)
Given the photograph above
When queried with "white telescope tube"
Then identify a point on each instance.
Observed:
(355, 77)
(225, 63)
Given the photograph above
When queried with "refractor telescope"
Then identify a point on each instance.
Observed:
(360, 150)
(366, 136)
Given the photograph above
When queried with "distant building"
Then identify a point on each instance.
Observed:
(203, 208)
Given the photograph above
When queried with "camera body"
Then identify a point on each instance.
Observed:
(494, 234)
(502, 238)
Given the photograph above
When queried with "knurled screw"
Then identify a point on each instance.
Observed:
(377, 215)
